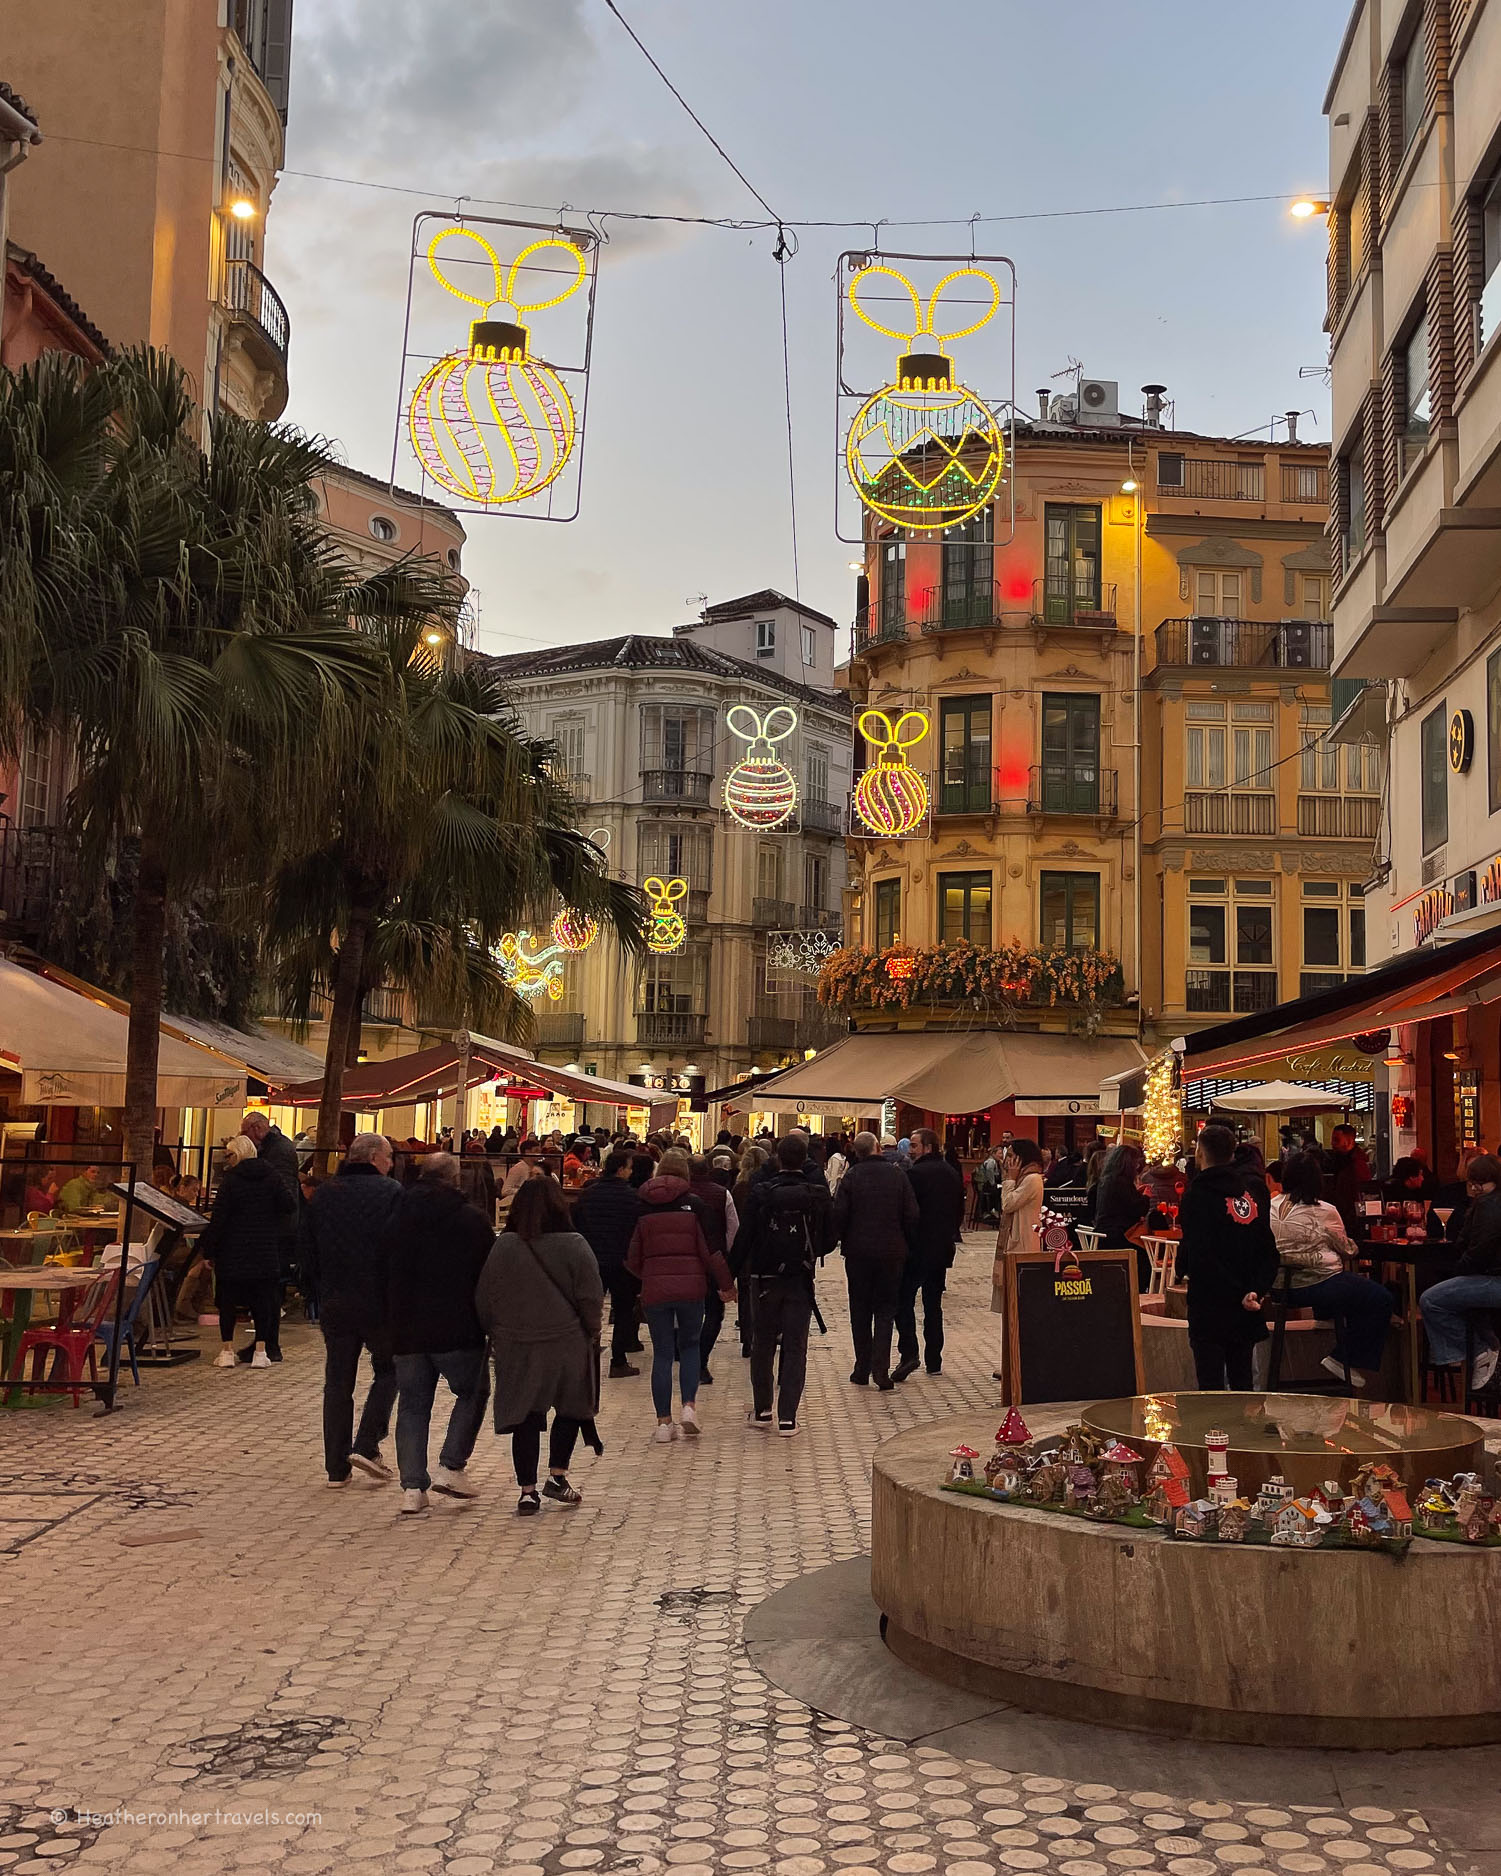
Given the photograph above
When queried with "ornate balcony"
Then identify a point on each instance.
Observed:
(669, 1029)
(260, 326)
(687, 788)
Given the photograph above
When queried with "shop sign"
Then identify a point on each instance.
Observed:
(1467, 1108)
(1490, 882)
(1050, 1105)
(1432, 909)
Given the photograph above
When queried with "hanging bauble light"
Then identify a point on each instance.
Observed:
(491, 424)
(891, 797)
(574, 931)
(761, 791)
(666, 931)
(924, 452)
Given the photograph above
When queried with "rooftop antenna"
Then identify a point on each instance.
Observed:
(700, 601)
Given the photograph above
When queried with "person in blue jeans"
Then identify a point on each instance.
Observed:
(1312, 1247)
(669, 1256)
(436, 1247)
(1475, 1286)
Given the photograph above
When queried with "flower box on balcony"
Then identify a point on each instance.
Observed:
(901, 977)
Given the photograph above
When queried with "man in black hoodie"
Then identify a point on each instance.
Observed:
(437, 1245)
(939, 1191)
(875, 1221)
(605, 1213)
(784, 1232)
(1230, 1258)
(343, 1227)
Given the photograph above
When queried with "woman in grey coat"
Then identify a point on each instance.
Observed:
(541, 1301)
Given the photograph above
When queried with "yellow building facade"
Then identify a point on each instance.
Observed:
(1224, 874)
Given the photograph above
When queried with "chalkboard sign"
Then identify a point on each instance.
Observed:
(1072, 1326)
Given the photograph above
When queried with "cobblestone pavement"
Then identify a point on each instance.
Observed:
(214, 1663)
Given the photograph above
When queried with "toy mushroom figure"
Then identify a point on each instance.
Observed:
(964, 1458)
(1122, 1462)
(1013, 1430)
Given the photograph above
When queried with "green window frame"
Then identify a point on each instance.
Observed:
(964, 738)
(1433, 737)
(1071, 582)
(888, 912)
(968, 571)
(1069, 907)
(1070, 753)
(964, 908)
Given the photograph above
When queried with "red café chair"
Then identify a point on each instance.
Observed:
(80, 1317)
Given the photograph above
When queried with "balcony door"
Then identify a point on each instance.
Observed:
(1072, 571)
(1070, 754)
(968, 564)
(965, 784)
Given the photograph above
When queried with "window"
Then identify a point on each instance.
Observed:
(1170, 470)
(1206, 934)
(964, 908)
(810, 645)
(677, 737)
(1412, 83)
(676, 985)
(1197, 886)
(1231, 959)
(676, 850)
(766, 638)
(1253, 932)
(888, 912)
(568, 735)
(1417, 402)
(1318, 764)
(1493, 728)
(1070, 754)
(453, 559)
(1490, 259)
(239, 236)
(1070, 912)
(1205, 745)
(38, 779)
(1315, 596)
(1434, 764)
(769, 870)
(382, 529)
(1351, 467)
(1072, 545)
(894, 587)
(1357, 937)
(968, 557)
(1321, 937)
(815, 881)
(1253, 746)
(964, 786)
(1217, 595)
(817, 787)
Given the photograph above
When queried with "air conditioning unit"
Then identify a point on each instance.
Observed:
(1099, 400)
(1204, 641)
(1296, 644)
(1063, 410)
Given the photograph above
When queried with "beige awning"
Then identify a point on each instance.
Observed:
(272, 1059)
(70, 1051)
(950, 1072)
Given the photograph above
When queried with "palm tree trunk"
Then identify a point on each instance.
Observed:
(344, 1014)
(148, 943)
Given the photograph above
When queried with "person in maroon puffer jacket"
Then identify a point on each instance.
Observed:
(671, 1258)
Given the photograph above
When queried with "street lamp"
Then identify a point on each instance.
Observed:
(1307, 205)
(243, 209)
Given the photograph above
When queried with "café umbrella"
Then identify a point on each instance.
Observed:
(1278, 1097)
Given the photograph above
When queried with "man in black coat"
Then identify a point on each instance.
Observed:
(784, 1232)
(277, 1151)
(939, 1191)
(1230, 1258)
(875, 1221)
(343, 1226)
(606, 1214)
(436, 1244)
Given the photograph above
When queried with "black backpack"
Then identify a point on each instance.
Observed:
(785, 1247)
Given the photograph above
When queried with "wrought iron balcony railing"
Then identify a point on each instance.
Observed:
(1294, 644)
(248, 291)
(690, 787)
(669, 1029)
(1076, 788)
(1058, 602)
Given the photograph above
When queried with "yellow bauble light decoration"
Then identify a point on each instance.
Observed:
(891, 798)
(665, 931)
(924, 452)
(491, 424)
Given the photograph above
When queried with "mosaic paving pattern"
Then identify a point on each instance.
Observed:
(515, 1696)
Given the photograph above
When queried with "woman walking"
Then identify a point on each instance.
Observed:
(242, 1243)
(541, 1302)
(671, 1257)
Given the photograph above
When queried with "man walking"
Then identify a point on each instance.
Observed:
(278, 1152)
(939, 1191)
(343, 1229)
(784, 1232)
(437, 1245)
(605, 1214)
(875, 1221)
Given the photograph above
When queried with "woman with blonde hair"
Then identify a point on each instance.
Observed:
(242, 1242)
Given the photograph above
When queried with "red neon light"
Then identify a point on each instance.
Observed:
(1018, 586)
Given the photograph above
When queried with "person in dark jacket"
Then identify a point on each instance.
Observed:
(343, 1229)
(605, 1214)
(436, 1246)
(720, 1222)
(1230, 1258)
(875, 1221)
(939, 1190)
(243, 1243)
(671, 1256)
(278, 1152)
(784, 1232)
(1476, 1285)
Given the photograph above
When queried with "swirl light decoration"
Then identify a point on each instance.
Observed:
(761, 791)
(924, 452)
(891, 798)
(490, 423)
(531, 973)
(666, 930)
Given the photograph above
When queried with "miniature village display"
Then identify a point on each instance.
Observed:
(1082, 1474)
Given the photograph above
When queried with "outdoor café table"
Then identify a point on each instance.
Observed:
(17, 1287)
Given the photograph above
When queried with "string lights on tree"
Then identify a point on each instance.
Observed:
(891, 798)
(1162, 1112)
(760, 791)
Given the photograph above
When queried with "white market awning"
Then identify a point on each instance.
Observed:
(70, 1051)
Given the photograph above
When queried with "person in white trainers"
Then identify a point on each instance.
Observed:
(242, 1242)
(670, 1255)
(541, 1298)
(436, 1247)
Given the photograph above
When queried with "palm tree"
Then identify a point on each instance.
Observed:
(182, 615)
(446, 829)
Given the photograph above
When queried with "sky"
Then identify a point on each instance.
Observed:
(834, 110)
